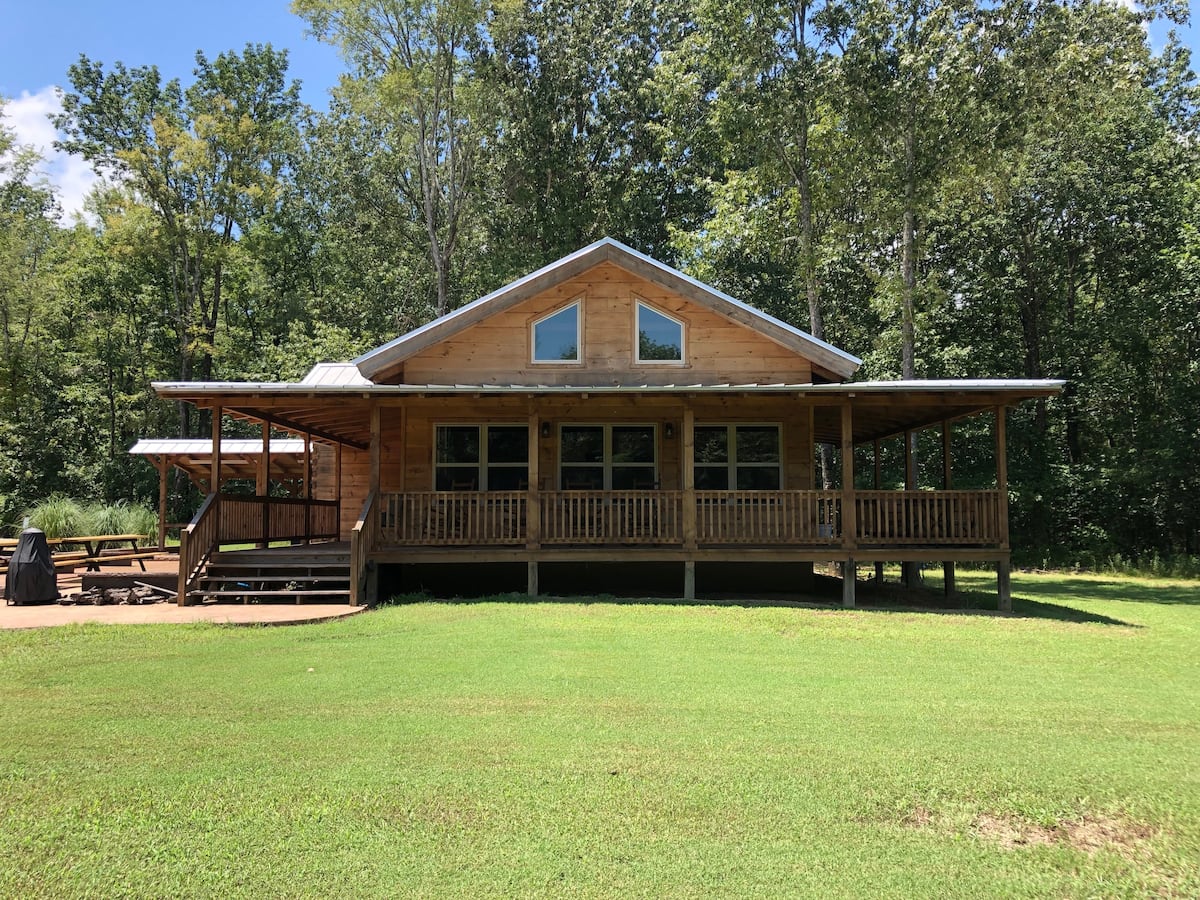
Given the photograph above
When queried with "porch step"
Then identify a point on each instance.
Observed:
(319, 573)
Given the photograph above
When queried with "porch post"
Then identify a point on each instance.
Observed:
(262, 484)
(160, 463)
(948, 585)
(214, 480)
(308, 495)
(909, 571)
(687, 468)
(1003, 585)
(849, 521)
(373, 478)
(533, 499)
(877, 481)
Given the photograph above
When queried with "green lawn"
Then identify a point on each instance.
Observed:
(614, 749)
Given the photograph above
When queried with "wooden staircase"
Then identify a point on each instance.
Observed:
(317, 573)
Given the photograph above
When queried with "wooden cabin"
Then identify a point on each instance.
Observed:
(605, 410)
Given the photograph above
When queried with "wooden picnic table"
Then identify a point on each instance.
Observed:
(94, 546)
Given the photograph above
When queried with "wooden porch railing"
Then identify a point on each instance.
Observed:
(259, 519)
(762, 518)
(612, 517)
(453, 517)
(196, 543)
(928, 517)
(768, 517)
(363, 539)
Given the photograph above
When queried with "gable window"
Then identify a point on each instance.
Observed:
(608, 457)
(481, 458)
(556, 337)
(659, 336)
(741, 457)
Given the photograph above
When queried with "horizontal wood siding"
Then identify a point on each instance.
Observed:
(496, 350)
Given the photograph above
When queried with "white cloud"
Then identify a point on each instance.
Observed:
(72, 176)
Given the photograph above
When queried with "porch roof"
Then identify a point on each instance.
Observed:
(239, 457)
(341, 412)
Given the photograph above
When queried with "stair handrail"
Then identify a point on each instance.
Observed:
(196, 544)
(363, 538)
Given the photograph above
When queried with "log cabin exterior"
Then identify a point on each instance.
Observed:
(606, 409)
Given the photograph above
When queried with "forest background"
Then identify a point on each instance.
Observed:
(946, 189)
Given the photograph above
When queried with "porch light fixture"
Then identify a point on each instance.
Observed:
(669, 430)
(545, 429)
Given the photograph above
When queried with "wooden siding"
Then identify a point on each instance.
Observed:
(496, 350)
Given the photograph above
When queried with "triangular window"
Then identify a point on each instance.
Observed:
(659, 337)
(556, 336)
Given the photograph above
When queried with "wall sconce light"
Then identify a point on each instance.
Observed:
(545, 429)
(669, 430)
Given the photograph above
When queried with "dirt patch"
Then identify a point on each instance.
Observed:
(1089, 834)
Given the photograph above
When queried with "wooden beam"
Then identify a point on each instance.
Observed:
(949, 588)
(849, 521)
(299, 428)
(533, 502)
(877, 482)
(849, 582)
(376, 448)
(214, 480)
(689, 580)
(162, 465)
(687, 467)
(1002, 476)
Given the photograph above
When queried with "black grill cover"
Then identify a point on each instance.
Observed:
(32, 577)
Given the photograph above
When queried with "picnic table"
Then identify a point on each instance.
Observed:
(93, 553)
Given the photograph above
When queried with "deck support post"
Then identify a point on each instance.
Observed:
(533, 499)
(215, 479)
(308, 493)
(910, 572)
(849, 579)
(531, 587)
(689, 580)
(948, 581)
(1002, 478)
(262, 484)
(1004, 585)
(849, 521)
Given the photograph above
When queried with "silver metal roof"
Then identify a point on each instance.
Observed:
(232, 446)
(331, 373)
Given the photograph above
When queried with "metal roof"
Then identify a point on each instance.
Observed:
(334, 373)
(195, 447)
(377, 361)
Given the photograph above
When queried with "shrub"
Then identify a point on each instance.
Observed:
(63, 517)
(58, 516)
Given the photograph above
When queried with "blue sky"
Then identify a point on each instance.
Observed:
(39, 41)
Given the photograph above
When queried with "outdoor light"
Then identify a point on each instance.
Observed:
(669, 430)
(545, 429)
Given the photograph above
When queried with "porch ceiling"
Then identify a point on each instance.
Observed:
(879, 409)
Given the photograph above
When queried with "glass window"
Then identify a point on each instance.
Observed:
(608, 457)
(660, 338)
(556, 337)
(481, 458)
(744, 457)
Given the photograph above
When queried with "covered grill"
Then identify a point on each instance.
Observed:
(32, 577)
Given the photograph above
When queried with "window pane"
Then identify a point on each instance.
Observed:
(712, 478)
(712, 445)
(556, 338)
(583, 443)
(508, 443)
(508, 478)
(755, 478)
(583, 478)
(458, 444)
(757, 443)
(632, 478)
(456, 478)
(633, 443)
(659, 338)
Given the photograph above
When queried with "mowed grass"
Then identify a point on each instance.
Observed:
(615, 749)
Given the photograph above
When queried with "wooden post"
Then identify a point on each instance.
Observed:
(337, 486)
(308, 494)
(262, 484)
(373, 485)
(162, 465)
(689, 580)
(849, 519)
(909, 571)
(531, 587)
(948, 581)
(533, 497)
(214, 480)
(1003, 566)
(687, 467)
(877, 482)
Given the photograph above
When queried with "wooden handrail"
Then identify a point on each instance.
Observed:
(363, 538)
(196, 544)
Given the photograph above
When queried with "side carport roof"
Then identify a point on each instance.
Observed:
(379, 361)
